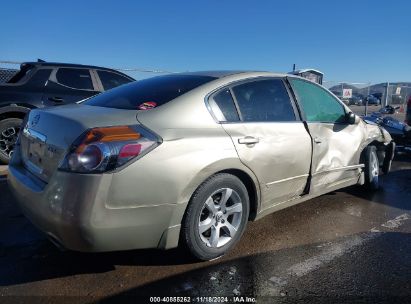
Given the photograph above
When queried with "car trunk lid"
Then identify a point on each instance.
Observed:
(49, 133)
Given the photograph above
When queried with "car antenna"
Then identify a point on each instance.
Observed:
(40, 60)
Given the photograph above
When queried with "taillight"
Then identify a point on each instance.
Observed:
(108, 148)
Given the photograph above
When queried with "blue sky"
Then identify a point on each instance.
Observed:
(363, 41)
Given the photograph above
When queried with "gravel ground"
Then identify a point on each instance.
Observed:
(348, 246)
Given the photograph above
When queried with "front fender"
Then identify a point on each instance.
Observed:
(377, 133)
(378, 136)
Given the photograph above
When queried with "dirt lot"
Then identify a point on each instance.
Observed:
(347, 246)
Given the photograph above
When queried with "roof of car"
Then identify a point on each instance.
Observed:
(225, 73)
(216, 73)
(60, 64)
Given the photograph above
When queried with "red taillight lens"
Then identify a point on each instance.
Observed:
(105, 149)
(130, 150)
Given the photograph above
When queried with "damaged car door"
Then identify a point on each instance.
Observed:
(337, 142)
(270, 138)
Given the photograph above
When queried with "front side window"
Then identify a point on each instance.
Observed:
(75, 78)
(264, 100)
(317, 104)
(111, 80)
(223, 107)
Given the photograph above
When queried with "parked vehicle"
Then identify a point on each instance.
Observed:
(356, 100)
(378, 95)
(399, 131)
(372, 100)
(188, 159)
(44, 84)
(349, 101)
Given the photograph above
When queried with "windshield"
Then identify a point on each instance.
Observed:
(148, 93)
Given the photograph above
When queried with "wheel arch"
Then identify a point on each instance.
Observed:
(172, 235)
(246, 177)
(251, 189)
(381, 148)
(14, 110)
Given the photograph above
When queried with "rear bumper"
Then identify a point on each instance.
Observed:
(72, 210)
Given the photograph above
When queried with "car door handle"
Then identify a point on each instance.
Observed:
(56, 99)
(248, 140)
(317, 140)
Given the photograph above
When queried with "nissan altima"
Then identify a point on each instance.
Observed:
(188, 159)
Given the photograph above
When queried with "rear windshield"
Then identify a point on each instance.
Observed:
(148, 93)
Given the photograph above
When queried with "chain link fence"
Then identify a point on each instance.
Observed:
(141, 73)
(7, 70)
(365, 98)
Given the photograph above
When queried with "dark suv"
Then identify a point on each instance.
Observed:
(44, 84)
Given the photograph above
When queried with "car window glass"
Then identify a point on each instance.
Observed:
(40, 77)
(111, 80)
(75, 78)
(223, 107)
(318, 105)
(148, 93)
(264, 100)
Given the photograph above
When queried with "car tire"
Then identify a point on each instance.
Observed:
(389, 156)
(216, 217)
(9, 130)
(371, 169)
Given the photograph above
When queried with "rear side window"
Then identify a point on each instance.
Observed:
(75, 78)
(318, 105)
(223, 107)
(148, 93)
(264, 100)
(111, 80)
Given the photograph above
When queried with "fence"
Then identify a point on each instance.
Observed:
(364, 98)
(7, 70)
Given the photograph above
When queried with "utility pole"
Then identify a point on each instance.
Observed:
(366, 99)
(386, 94)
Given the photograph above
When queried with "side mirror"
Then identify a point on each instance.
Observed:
(352, 119)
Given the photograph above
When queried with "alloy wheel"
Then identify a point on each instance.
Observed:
(220, 218)
(8, 138)
(375, 168)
